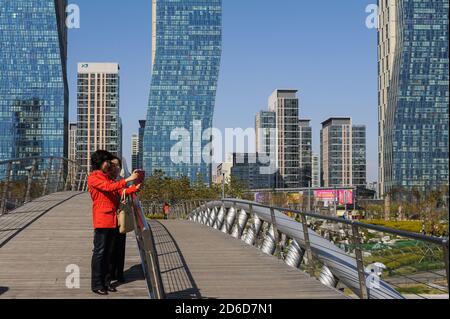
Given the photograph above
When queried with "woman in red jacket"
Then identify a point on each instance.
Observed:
(103, 192)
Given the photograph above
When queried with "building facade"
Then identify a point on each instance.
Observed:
(33, 79)
(99, 124)
(413, 94)
(305, 150)
(343, 153)
(134, 152)
(187, 46)
(223, 172)
(249, 169)
(141, 144)
(285, 105)
(315, 171)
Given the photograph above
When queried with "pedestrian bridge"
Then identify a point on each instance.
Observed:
(48, 241)
(41, 241)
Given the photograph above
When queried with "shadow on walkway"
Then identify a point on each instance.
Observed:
(177, 279)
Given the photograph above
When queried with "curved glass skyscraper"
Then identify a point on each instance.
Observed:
(187, 45)
(413, 94)
(33, 81)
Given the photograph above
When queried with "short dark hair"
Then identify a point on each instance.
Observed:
(98, 158)
(118, 159)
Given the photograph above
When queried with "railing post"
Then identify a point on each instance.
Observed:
(276, 234)
(81, 173)
(30, 181)
(47, 176)
(308, 250)
(60, 175)
(5, 188)
(359, 262)
(255, 227)
(85, 182)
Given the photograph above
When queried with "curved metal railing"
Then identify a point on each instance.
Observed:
(24, 179)
(332, 249)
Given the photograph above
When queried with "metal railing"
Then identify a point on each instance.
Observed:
(372, 262)
(25, 179)
(146, 246)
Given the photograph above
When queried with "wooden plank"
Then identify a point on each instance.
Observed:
(33, 264)
(199, 262)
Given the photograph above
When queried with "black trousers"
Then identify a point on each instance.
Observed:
(118, 256)
(101, 258)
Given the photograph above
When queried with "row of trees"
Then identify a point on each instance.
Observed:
(160, 188)
(401, 204)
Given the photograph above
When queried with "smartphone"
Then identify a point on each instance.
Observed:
(141, 176)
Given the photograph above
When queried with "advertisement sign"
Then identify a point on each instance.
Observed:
(341, 196)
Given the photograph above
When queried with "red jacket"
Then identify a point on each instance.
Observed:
(105, 194)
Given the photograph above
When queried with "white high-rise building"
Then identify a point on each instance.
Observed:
(99, 126)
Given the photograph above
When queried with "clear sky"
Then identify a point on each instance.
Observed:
(322, 48)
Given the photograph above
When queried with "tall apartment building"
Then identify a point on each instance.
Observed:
(315, 170)
(285, 105)
(99, 124)
(413, 94)
(343, 153)
(134, 152)
(305, 149)
(187, 49)
(34, 106)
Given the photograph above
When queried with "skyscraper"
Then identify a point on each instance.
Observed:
(33, 79)
(413, 94)
(99, 124)
(265, 125)
(343, 153)
(284, 104)
(141, 144)
(134, 152)
(305, 149)
(186, 54)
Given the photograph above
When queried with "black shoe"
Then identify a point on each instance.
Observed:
(121, 280)
(111, 289)
(101, 292)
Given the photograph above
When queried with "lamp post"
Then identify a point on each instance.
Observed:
(223, 185)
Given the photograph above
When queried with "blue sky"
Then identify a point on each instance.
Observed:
(322, 48)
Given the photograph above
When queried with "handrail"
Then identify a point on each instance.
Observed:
(61, 174)
(402, 233)
(146, 246)
(338, 265)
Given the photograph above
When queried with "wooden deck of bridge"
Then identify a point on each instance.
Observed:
(199, 262)
(39, 240)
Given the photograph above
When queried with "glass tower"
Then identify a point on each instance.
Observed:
(187, 45)
(33, 80)
(413, 94)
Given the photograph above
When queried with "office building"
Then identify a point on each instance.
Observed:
(99, 124)
(249, 169)
(343, 153)
(413, 94)
(33, 80)
(305, 150)
(187, 45)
